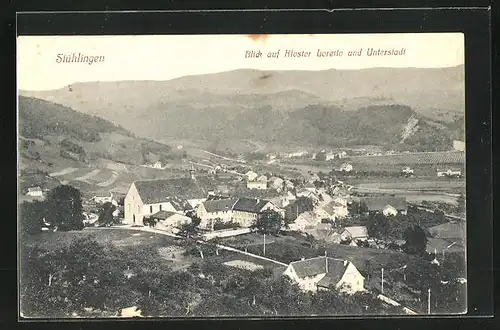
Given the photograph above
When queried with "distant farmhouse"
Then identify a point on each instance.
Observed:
(34, 192)
(251, 175)
(450, 172)
(321, 273)
(354, 233)
(242, 211)
(104, 199)
(147, 197)
(346, 167)
(332, 210)
(407, 170)
(276, 183)
(306, 220)
(384, 205)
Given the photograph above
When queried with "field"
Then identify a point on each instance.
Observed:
(438, 158)
(291, 248)
(118, 237)
(423, 164)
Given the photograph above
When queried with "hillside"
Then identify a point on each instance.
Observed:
(54, 137)
(274, 106)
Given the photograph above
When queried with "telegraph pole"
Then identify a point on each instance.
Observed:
(428, 301)
(264, 244)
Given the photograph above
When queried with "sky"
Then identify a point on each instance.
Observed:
(164, 57)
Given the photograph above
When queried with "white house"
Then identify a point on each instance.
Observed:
(385, 205)
(308, 194)
(157, 165)
(342, 154)
(276, 183)
(146, 197)
(240, 210)
(345, 167)
(35, 192)
(210, 211)
(262, 178)
(330, 155)
(168, 220)
(332, 210)
(449, 172)
(251, 175)
(407, 170)
(354, 233)
(306, 220)
(103, 199)
(256, 185)
(321, 273)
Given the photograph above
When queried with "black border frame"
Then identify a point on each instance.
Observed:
(473, 22)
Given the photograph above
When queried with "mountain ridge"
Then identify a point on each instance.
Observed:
(257, 103)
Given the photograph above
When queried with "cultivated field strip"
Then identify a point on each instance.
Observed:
(88, 175)
(110, 181)
(63, 172)
(414, 158)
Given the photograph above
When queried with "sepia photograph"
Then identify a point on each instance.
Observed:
(210, 176)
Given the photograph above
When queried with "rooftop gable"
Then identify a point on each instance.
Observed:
(316, 266)
(250, 205)
(161, 190)
(357, 231)
(219, 205)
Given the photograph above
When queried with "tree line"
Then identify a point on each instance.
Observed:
(62, 210)
(90, 275)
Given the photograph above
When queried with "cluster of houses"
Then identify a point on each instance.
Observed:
(329, 155)
(35, 191)
(262, 182)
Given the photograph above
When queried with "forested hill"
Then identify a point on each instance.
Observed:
(55, 135)
(39, 118)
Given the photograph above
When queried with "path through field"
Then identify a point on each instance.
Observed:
(88, 175)
(63, 172)
(110, 181)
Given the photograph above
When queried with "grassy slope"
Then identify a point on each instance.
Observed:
(44, 125)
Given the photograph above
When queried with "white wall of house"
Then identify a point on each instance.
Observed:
(340, 211)
(153, 208)
(133, 206)
(352, 281)
(389, 210)
(208, 217)
(300, 224)
(322, 214)
(305, 284)
(36, 193)
(251, 175)
(256, 185)
(245, 219)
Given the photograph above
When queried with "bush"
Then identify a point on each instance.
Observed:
(219, 225)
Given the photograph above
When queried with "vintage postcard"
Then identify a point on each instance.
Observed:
(241, 175)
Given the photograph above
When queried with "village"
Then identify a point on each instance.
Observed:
(257, 213)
